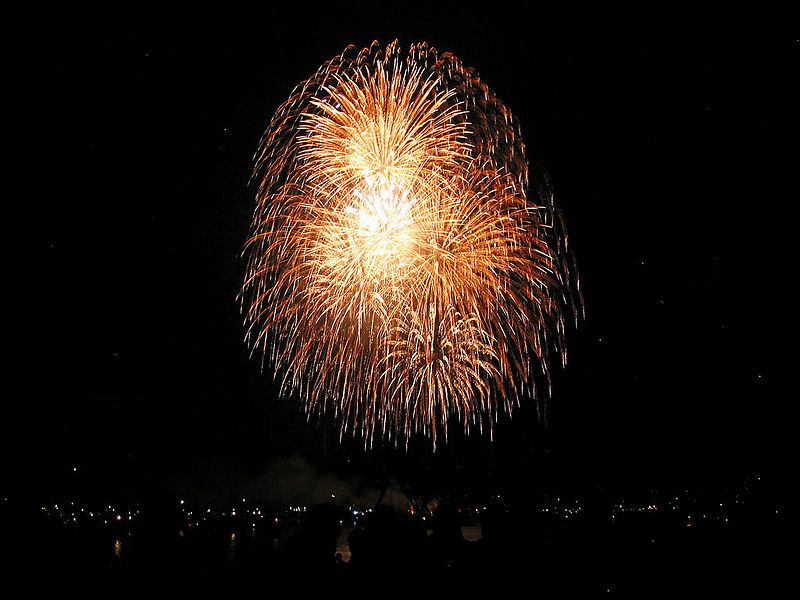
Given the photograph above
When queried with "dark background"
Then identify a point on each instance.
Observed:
(671, 140)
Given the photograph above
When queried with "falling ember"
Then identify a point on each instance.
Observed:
(402, 270)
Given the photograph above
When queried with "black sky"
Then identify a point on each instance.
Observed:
(671, 140)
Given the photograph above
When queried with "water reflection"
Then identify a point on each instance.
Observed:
(232, 548)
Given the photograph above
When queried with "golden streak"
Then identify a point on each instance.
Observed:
(398, 272)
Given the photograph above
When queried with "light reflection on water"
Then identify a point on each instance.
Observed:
(239, 542)
(342, 544)
(232, 548)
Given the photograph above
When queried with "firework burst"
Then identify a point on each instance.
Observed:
(402, 270)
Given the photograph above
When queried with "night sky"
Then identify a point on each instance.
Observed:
(671, 141)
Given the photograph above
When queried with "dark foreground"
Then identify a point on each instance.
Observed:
(599, 550)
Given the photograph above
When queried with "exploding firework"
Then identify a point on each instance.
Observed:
(402, 270)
